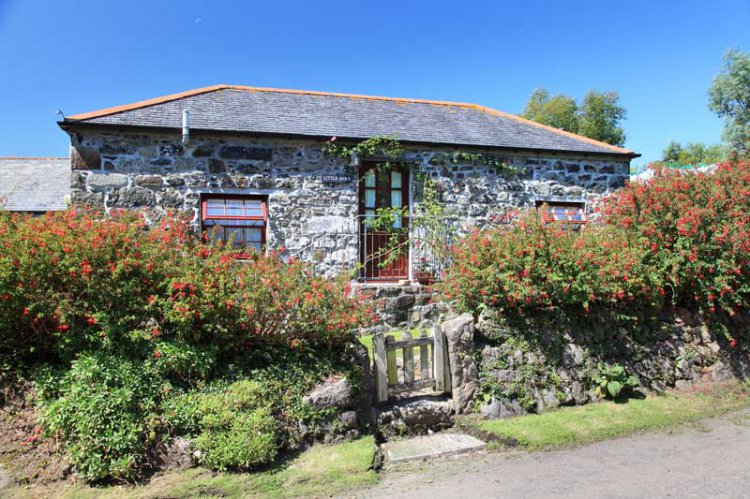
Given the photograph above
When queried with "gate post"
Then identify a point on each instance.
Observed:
(381, 367)
(441, 364)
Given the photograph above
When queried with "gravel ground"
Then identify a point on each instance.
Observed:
(711, 459)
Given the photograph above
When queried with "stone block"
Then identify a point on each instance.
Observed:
(203, 151)
(150, 181)
(99, 182)
(91, 199)
(216, 166)
(85, 158)
(170, 199)
(459, 333)
(132, 197)
(332, 393)
(246, 153)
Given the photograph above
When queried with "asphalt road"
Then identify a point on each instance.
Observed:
(710, 459)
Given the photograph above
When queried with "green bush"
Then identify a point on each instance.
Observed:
(106, 410)
(613, 381)
(233, 425)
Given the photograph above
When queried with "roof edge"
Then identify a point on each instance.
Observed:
(189, 93)
(71, 126)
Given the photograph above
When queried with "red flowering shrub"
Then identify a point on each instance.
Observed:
(681, 237)
(534, 264)
(73, 281)
(695, 228)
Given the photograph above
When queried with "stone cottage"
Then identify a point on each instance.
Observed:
(249, 165)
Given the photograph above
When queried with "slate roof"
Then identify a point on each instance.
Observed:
(34, 184)
(231, 108)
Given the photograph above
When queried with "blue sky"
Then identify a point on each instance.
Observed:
(82, 55)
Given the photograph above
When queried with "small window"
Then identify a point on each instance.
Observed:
(572, 214)
(240, 220)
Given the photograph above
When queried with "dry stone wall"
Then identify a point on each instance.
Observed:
(538, 364)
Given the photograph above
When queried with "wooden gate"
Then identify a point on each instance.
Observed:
(433, 367)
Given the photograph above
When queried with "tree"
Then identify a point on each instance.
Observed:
(601, 116)
(729, 97)
(559, 111)
(693, 153)
(598, 116)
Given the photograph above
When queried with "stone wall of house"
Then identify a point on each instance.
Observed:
(313, 199)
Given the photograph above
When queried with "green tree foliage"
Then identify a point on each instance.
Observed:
(601, 116)
(559, 111)
(729, 97)
(597, 117)
(693, 153)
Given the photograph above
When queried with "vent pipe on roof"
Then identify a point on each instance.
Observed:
(185, 127)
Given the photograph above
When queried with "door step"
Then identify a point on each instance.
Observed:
(429, 447)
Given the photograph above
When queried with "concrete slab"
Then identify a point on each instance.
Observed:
(437, 445)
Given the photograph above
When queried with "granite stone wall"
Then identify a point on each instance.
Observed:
(312, 199)
(540, 363)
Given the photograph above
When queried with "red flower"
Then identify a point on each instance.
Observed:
(732, 343)
(91, 321)
(157, 354)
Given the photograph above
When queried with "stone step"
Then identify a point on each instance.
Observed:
(428, 447)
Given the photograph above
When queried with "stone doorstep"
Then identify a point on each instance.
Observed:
(432, 446)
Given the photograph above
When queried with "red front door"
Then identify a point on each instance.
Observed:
(384, 248)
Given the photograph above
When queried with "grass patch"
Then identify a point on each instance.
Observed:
(366, 339)
(593, 422)
(320, 471)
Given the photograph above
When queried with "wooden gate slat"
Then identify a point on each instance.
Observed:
(381, 374)
(391, 359)
(424, 356)
(408, 360)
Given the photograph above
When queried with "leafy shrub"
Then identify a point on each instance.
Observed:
(696, 230)
(682, 238)
(612, 381)
(233, 425)
(534, 264)
(75, 281)
(164, 310)
(105, 409)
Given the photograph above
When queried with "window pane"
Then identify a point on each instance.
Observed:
(370, 198)
(369, 213)
(235, 234)
(216, 234)
(255, 246)
(214, 207)
(567, 213)
(234, 208)
(396, 199)
(253, 236)
(396, 180)
(370, 178)
(253, 208)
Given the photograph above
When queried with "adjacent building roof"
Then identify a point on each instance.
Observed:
(231, 108)
(34, 184)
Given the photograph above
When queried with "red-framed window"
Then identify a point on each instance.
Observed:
(239, 219)
(572, 214)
